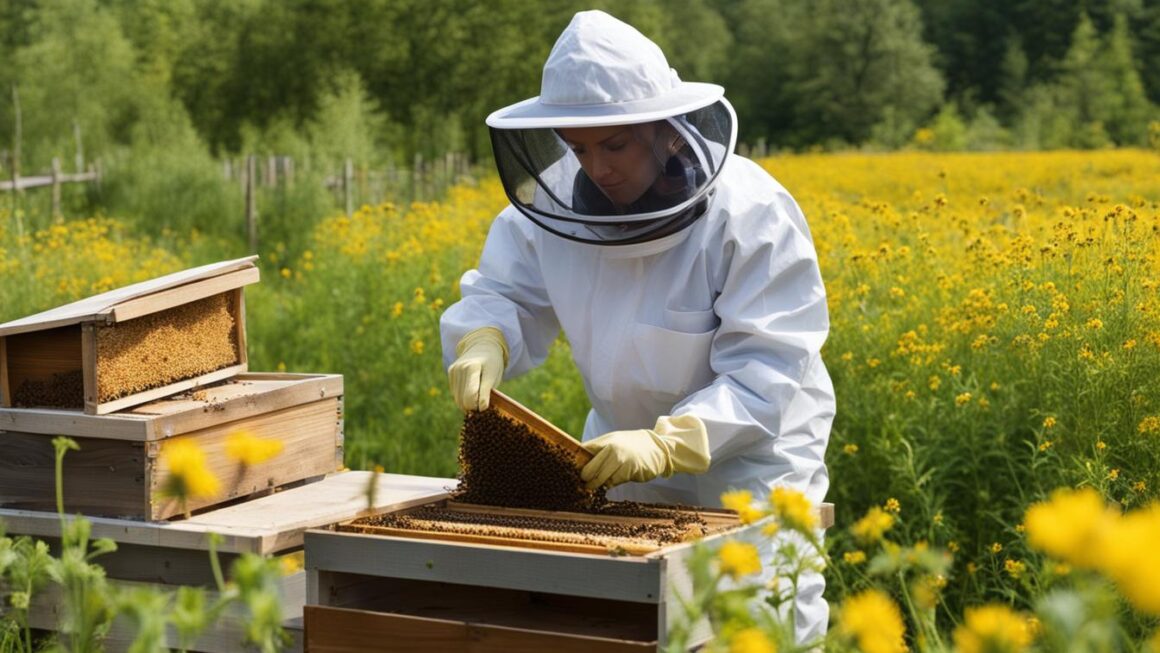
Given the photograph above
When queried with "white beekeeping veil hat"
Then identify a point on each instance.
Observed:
(603, 72)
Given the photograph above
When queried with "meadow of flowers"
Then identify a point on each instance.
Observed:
(995, 337)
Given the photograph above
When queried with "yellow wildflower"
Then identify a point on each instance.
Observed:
(189, 478)
(874, 621)
(1150, 425)
(892, 505)
(962, 399)
(397, 309)
(1014, 568)
(248, 449)
(850, 449)
(996, 547)
(793, 509)
(751, 640)
(1048, 422)
(741, 502)
(992, 629)
(1128, 556)
(738, 559)
(417, 346)
(854, 557)
(873, 525)
(1069, 526)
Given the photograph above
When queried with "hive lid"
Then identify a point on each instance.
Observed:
(143, 298)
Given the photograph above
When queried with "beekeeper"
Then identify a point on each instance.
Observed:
(683, 276)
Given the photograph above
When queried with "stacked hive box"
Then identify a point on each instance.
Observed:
(130, 375)
(132, 372)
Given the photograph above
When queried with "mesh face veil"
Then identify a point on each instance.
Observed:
(618, 184)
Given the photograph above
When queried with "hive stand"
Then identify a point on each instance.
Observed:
(50, 349)
(167, 555)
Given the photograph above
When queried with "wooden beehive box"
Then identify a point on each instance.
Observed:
(121, 468)
(167, 555)
(426, 591)
(129, 346)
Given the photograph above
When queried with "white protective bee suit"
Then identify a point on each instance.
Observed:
(722, 316)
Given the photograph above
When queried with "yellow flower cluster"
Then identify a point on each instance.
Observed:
(992, 629)
(871, 527)
(738, 559)
(1077, 527)
(248, 449)
(874, 621)
(793, 509)
(189, 477)
(751, 640)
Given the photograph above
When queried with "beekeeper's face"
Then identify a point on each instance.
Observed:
(621, 160)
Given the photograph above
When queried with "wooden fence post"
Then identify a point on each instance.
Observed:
(251, 202)
(347, 181)
(79, 157)
(56, 215)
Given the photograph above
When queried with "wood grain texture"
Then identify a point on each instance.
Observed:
(99, 307)
(244, 395)
(345, 630)
(625, 578)
(539, 426)
(307, 433)
(264, 525)
(189, 292)
(38, 356)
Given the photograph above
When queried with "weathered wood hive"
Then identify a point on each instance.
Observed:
(447, 575)
(128, 346)
(130, 373)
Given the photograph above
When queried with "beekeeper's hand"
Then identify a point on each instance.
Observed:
(675, 444)
(482, 356)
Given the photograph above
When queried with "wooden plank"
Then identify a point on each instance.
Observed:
(246, 394)
(264, 525)
(165, 391)
(183, 294)
(344, 630)
(89, 366)
(307, 433)
(541, 427)
(38, 356)
(104, 477)
(500, 639)
(286, 515)
(5, 390)
(240, 324)
(95, 308)
(226, 636)
(615, 545)
(335, 630)
(626, 578)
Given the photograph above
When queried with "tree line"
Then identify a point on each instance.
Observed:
(386, 80)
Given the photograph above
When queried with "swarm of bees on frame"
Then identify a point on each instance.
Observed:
(501, 463)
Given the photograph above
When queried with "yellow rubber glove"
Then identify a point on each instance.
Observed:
(482, 358)
(675, 444)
